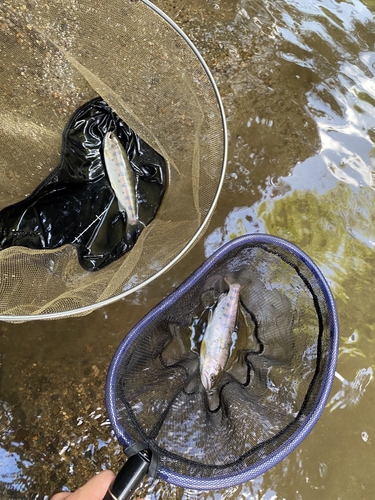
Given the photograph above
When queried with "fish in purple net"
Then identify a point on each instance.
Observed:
(215, 346)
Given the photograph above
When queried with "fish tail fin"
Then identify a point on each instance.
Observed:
(229, 280)
(133, 229)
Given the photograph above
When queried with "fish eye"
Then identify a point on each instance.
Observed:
(212, 377)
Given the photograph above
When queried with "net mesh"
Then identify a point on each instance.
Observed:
(273, 381)
(57, 56)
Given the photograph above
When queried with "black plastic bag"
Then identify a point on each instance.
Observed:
(76, 203)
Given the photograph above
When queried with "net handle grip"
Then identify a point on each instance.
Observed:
(129, 477)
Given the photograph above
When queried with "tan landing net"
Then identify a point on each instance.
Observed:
(57, 55)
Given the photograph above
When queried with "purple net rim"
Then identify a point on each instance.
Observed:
(296, 438)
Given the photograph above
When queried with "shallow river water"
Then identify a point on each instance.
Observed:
(297, 82)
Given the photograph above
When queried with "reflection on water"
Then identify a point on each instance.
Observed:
(329, 227)
(12, 465)
(324, 202)
(297, 81)
(351, 392)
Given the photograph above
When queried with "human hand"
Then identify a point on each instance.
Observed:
(94, 489)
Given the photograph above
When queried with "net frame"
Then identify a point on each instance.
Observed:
(78, 311)
(296, 437)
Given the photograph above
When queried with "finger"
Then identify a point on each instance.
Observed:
(61, 496)
(96, 487)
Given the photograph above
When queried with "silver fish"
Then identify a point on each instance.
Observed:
(215, 346)
(121, 176)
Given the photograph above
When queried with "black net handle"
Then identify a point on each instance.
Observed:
(141, 461)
